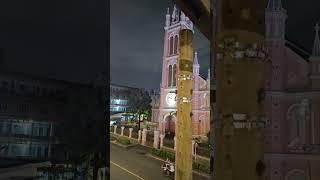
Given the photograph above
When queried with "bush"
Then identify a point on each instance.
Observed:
(202, 167)
(123, 141)
(163, 154)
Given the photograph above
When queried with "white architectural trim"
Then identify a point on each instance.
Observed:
(302, 157)
(168, 114)
(168, 58)
(296, 171)
(315, 76)
(297, 95)
(172, 62)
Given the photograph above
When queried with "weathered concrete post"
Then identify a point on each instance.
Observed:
(122, 128)
(161, 140)
(175, 143)
(115, 129)
(156, 140)
(130, 132)
(139, 136)
(183, 158)
(193, 145)
(144, 137)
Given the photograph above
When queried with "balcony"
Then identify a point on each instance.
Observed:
(27, 137)
(30, 93)
(305, 148)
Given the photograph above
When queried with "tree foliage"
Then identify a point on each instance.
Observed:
(139, 102)
(85, 130)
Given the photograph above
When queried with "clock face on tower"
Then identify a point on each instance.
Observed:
(171, 99)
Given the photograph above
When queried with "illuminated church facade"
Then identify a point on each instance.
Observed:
(164, 113)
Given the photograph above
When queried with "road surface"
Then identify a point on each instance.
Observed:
(132, 164)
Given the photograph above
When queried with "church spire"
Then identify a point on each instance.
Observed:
(274, 5)
(196, 65)
(316, 45)
(195, 58)
(168, 17)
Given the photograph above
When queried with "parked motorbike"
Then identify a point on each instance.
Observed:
(168, 169)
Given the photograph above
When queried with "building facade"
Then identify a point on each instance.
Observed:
(164, 114)
(32, 113)
(292, 135)
(119, 97)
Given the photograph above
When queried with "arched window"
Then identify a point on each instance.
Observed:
(170, 76)
(175, 50)
(296, 116)
(171, 45)
(174, 75)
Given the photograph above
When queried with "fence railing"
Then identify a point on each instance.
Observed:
(202, 149)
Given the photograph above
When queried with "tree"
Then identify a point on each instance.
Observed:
(85, 131)
(139, 101)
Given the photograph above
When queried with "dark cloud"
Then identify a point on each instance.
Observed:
(60, 39)
(137, 38)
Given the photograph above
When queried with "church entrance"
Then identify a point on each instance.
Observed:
(170, 126)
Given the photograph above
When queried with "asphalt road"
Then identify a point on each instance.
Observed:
(132, 164)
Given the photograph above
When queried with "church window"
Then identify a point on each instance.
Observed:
(297, 120)
(175, 50)
(171, 45)
(174, 75)
(170, 76)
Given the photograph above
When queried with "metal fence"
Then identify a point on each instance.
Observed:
(168, 142)
(149, 140)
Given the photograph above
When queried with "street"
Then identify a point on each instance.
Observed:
(132, 164)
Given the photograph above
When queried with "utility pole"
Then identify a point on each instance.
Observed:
(183, 158)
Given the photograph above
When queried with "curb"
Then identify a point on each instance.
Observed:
(124, 146)
(193, 171)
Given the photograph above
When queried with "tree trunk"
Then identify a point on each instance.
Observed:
(95, 167)
(95, 172)
(139, 121)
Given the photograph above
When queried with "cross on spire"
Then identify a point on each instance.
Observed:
(316, 45)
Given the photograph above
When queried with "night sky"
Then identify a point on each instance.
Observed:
(136, 38)
(58, 39)
(67, 39)
(136, 42)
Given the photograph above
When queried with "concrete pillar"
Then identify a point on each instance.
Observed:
(144, 137)
(139, 136)
(122, 128)
(193, 145)
(115, 129)
(156, 140)
(161, 140)
(130, 132)
(195, 151)
(175, 143)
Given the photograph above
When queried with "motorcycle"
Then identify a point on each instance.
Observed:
(168, 169)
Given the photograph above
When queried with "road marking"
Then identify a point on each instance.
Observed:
(127, 170)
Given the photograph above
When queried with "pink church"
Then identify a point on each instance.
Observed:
(164, 114)
(292, 135)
